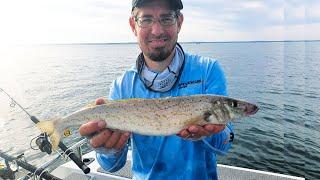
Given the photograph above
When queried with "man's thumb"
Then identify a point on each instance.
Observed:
(100, 101)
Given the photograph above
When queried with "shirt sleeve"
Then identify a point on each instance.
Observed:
(110, 159)
(216, 84)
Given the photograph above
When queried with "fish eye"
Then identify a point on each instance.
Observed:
(234, 104)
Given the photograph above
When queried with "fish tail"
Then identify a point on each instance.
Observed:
(49, 128)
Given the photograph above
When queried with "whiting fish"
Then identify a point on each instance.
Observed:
(154, 117)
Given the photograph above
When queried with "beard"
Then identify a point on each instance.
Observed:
(160, 54)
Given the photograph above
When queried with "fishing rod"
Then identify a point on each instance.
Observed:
(41, 172)
(43, 142)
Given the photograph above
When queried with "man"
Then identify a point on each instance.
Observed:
(162, 70)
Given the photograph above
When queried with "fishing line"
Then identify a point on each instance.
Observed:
(13, 103)
(42, 141)
(213, 149)
(47, 147)
(33, 147)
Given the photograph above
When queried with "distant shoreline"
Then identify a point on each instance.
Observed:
(191, 42)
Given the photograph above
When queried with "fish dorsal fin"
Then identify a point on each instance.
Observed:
(93, 104)
(130, 100)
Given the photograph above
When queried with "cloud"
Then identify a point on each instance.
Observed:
(64, 21)
(312, 13)
(67, 21)
(241, 15)
(260, 20)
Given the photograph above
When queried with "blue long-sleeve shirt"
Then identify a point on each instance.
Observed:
(172, 157)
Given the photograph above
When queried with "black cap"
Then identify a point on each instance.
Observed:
(175, 4)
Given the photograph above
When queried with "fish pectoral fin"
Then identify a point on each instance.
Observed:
(212, 119)
(198, 120)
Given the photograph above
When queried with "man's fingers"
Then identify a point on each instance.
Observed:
(122, 140)
(100, 101)
(113, 139)
(184, 133)
(99, 139)
(91, 127)
(214, 128)
(193, 129)
(198, 131)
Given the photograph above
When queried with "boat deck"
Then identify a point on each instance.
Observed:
(70, 171)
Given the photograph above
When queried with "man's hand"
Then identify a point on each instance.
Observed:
(195, 132)
(103, 137)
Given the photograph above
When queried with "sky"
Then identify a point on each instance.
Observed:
(106, 21)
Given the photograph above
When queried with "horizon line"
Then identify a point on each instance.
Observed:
(184, 42)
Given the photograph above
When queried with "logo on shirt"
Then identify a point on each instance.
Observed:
(186, 84)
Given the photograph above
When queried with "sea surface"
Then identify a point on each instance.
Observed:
(283, 78)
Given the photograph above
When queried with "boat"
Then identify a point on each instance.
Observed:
(70, 171)
(225, 172)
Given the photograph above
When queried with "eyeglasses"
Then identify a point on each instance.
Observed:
(147, 22)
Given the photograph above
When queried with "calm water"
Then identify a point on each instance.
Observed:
(282, 77)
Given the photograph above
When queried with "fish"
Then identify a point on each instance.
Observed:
(153, 117)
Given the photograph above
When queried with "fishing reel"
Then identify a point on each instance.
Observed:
(6, 172)
(10, 168)
(43, 143)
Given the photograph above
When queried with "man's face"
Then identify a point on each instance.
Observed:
(156, 41)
